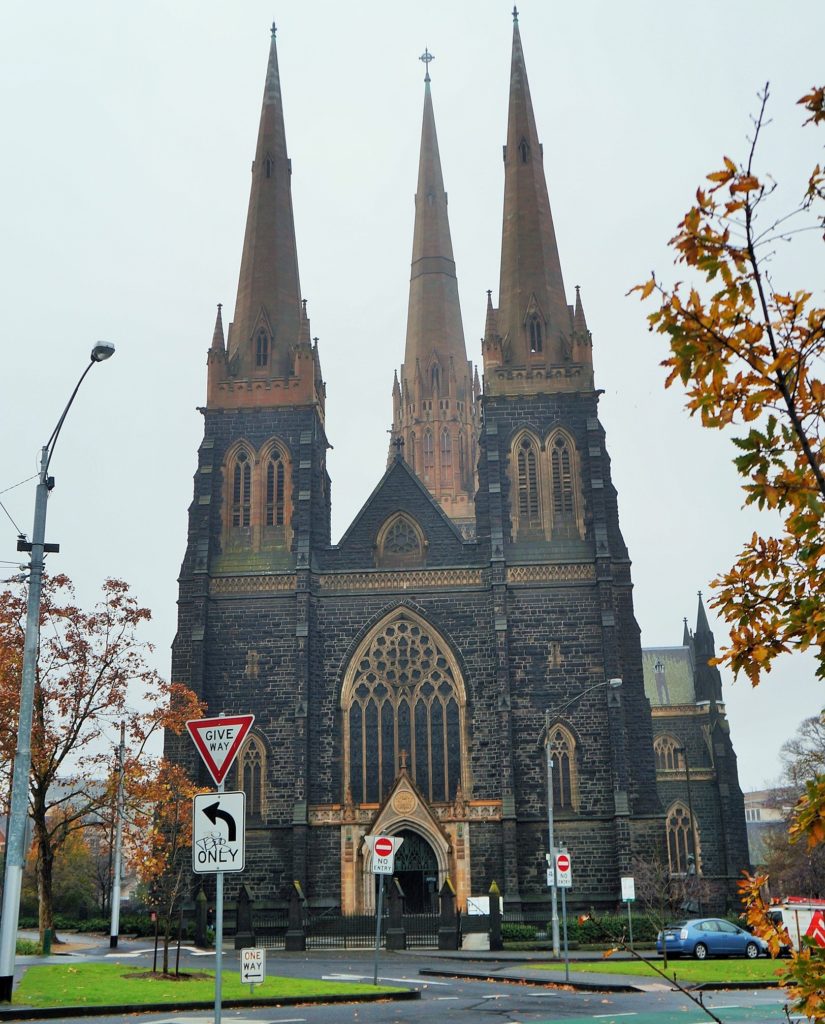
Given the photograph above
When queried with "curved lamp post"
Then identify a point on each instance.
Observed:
(549, 714)
(16, 838)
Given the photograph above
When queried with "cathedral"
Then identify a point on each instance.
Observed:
(474, 626)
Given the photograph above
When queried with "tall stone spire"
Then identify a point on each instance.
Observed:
(534, 319)
(434, 409)
(269, 336)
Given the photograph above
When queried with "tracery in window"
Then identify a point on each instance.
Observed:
(562, 754)
(275, 488)
(680, 844)
(528, 496)
(400, 542)
(403, 693)
(262, 348)
(668, 754)
(565, 500)
(252, 772)
(534, 328)
(241, 482)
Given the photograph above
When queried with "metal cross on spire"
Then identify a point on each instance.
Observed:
(515, 14)
(426, 56)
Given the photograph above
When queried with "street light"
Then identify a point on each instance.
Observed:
(15, 841)
(549, 714)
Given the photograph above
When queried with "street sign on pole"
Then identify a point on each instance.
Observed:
(218, 741)
(218, 832)
(383, 850)
(253, 966)
(564, 871)
(628, 889)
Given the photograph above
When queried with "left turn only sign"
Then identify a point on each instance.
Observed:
(218, 832)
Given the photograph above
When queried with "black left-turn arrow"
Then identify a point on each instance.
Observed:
(213, 812)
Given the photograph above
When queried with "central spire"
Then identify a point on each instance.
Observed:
(535, 325)
(434, 407)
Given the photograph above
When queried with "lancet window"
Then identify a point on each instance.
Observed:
(446, 455)
(275, 485)
(563, 756)
(681, 844)
(241, 477)
(527, 484)
(534, 328)
(252, 772)
(429, 454)
(668, 754)
(403, 706)
(262, 348)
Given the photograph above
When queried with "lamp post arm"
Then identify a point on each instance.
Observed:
(50, 444)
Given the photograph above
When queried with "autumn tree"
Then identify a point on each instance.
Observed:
(750, 356)
(159, 838)
(92, 674)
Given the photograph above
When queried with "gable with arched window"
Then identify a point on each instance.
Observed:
(682, 840)
(251, 769)
(565, 776)
(565, 496)
(669, 754)
(403, 705)
(400, 541)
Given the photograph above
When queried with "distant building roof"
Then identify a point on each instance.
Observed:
(668, 675)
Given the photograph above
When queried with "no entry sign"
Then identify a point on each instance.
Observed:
(383, 853)
(564, 871)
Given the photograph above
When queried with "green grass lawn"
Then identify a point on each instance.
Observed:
(110, 984)
(685, 970)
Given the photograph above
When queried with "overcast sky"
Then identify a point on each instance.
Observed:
(128, 133)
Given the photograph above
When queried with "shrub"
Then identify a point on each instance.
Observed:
(518, 932)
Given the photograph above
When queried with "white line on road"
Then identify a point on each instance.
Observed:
(503, 996)
(405, 981)
(443, 999)
(600, 1016)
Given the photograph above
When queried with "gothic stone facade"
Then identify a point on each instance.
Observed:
(409, 678)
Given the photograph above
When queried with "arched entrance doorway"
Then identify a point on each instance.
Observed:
(416, 869)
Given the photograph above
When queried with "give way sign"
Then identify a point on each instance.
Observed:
(383, 853)
(218, 741)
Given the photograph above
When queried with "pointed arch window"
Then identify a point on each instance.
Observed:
(527, 484)
(534, 329)
(241, 481)
(275, 484)
(435, 376)
(252, 772)
(429, 454)
(524, 150)
(565, 780)
(446, 449)
(269, 166)
(262, 348)
(400, 542)
(462, 456)
(411, 452)
(682, 839)
(403, 702)
(669, 754)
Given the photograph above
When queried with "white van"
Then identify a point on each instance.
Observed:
(797, 913)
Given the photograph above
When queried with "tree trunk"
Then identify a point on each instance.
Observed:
(45, 866)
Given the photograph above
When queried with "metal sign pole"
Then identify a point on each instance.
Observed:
(630, 923)
(564, 926)
(218, 936)
(378, 915)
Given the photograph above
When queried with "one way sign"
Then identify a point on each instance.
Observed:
(218, 832)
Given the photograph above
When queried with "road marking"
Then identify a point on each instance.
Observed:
(405, 981)
(443, 999)
(503, 996)
(600, 1016)
(128, 956)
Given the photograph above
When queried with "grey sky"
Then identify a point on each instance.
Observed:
(128, 132)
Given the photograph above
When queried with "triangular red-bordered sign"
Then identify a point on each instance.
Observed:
(218, 741)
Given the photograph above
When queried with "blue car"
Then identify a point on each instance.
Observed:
(709, 936)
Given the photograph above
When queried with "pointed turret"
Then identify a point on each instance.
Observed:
(534, 319)
(217, 335)
(269, 336)
(702, 624)
(708, 681)
(437, 419)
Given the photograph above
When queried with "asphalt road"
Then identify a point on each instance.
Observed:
(449, 999)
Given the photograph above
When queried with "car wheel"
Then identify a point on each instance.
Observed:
(751, 951)
(700, 951)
